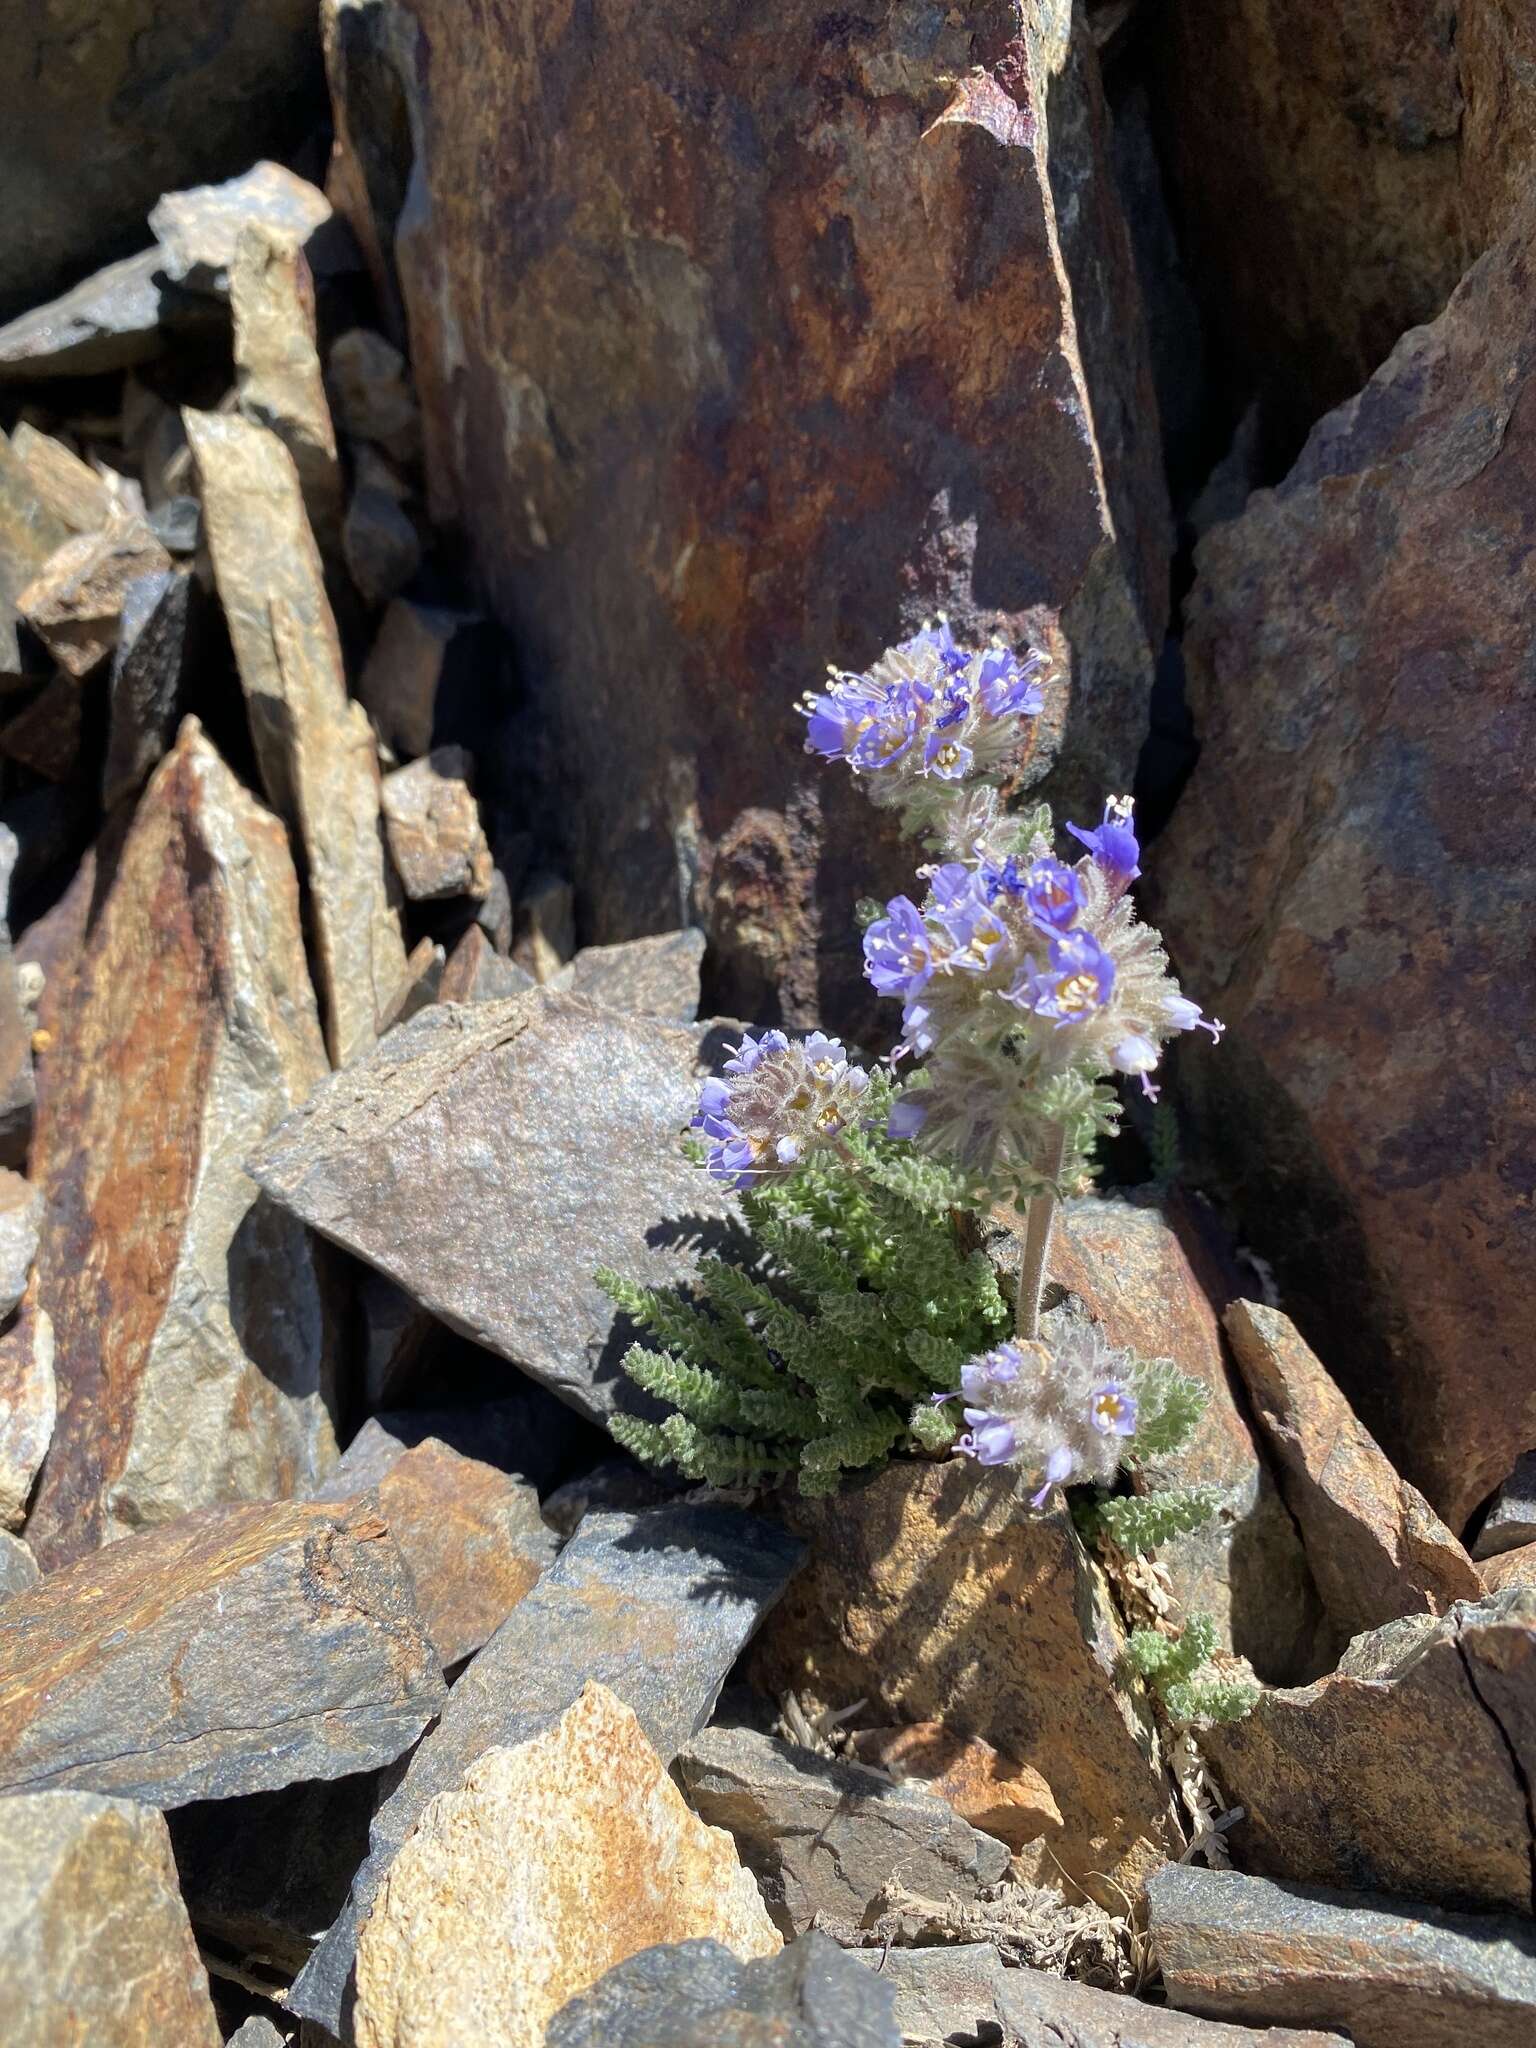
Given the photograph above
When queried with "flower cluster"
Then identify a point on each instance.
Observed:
(784, 1099)
(928, 717)
(1063, 1412)
(1020, 971)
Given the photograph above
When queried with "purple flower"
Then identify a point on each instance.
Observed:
(1184, 1015)
(898, 951)
(889, 734)
(1113, 844)
(1112, 1409)
(782, 1102)
(753, 1051)
(837, 719)
(948, 759)
(713, 1114)
(998, 1368)
(1136, 1055)
(990, 1439)
(1007, 686)
(1080, 980)
(976, 934)
(907, 1117)
(916, 1030)
(1053, 893)
(1058, 1470)
(950, 883)
(941, 640)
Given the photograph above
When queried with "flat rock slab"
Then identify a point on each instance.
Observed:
(28, 1408)
(1511, 1521)
(277, 365)
(193, 1321)
(18, 1567)
(696, 1994)
(21, 1212)
(656, 977)
(1377, 1548)
(479, 1932)
(108, 322)
(433, 827)
(823, 1838)
(1406, 1770)
(95, 1947)
(489, 1158)
(654, 1606)
(236, 1650)
(1393, 1975)
(198, 229)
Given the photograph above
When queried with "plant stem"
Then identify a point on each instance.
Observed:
(1038, 1220)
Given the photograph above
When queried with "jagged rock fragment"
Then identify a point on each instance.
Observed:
(277, 366)
(1009, 1800)
(200, 228)
(433, 827)
(400, 678)
(21, 1212)
(477, 973)
(371, 390)
(379, 544)
(30, 531)
(108, 322)
(69, 487)
(75, 601)
(149, 679)
(28, 1408)
(655, 977)
(1511, 1520)
(18, 1567)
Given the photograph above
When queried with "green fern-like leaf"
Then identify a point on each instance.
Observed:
(703, 1396)
(1203, 1702)
(1169, 1406)
(643, 1440)
(1141, 1521)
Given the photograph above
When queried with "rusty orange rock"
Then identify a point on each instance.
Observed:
(1009, 1800)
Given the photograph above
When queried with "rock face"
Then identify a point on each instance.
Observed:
(94, 1940)
(1334, 850)
(479, 1929)
(1378, 1550)
(314, 746)
(783, 439)
(823, 1839)
(655, 977)
(1146, 1282)
(1394, 1976)
(1425, 1739)
(277, 365)
(932, 1591)
(560, 1122)
(655, 1607)
(238, 1650)
(190, 1317)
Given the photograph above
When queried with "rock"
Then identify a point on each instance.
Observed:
(655, 1607)
(70, 488)
(1377, 1549)
(236, 1650)
(1144, 1275)
(529, 1433)
(546, 927)
(178, 525)
(277, 366)
(155, 645)
(109, 322)
(21, 1214)
(1511, 1520)
(931, 1593)
(400, 678)
(477, 973)
(192, 1319)
(1510, 1568)
(472, 1537)
(1402, 1772)
(779, 441)
(616, 1485)
(18, 1567)
(47, 736)
(1393, 1975)
(314, 746)
(199, 229)
(256, 2032)
(1011, 1801)
(74, 602)
(419, 985)
(28, 1408)
(697, 1994)
(379, 544)
(30, 531)
(1337, 815)
(371, 390)
(433, 827)
(657, 977)
(823, 1839)
(584, 1106)
(478, 1927)
(94, 1940)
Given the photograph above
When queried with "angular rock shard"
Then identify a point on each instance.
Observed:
(1394, 1975)
(18, 1567)
(1009, 1800)
(656, 977)
(94, 1940)
(109, 322)
(149, 679)
(1377, 1549)
(199, 229)
(74, 604)
(30, 531)
(478, 1930)
(561, 1123)
(277, 366)
(191, 1319)
(433, 827)
(29, 1406)
(236, 1650)
(656, 1607)
(400, 678)
(21, 1213)
(1511, 1520)
(314, 746)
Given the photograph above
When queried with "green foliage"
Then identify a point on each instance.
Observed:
(1163, 1145)
(1141, 1521)
(1169, 1405)
(1172, 1665)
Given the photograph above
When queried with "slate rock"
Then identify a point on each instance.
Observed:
(235, 1650)
(379, 544)
(782, 440)
(400, 678)
(696, 1994)
(371, 391)
(419, 985)
(74, 603)
(473, 1538)
(477, 973)
(656, 977)
(110, 321)
(526, 1432)
(1144, 1275)
(1511, 1520)
(277, 366)
(150, 678)
(561, 1123)
(29, 1404)
(1510, 1568)
(1402, 1772)
(21, 1214)
(656, 1607)
(1377, 1549)
(80, 495)
(46, 736)
(1391, 1974)
(477, 1925)
(824, 1838)
(933, 1594)
(313, 745)
(614, 1486)
(18, 1567)
(1009, 1800)
(256, 2032)
(1339, 813)
(94, 1941)
(546, 926)
(178, 525)
(192, 1321)
(199, 229)
(30, 531)
(433, 827)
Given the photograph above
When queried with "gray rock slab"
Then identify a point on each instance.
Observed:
(655, 977)
(655, 1606)
(696, 1994)
(489, 1157)
(18, 1567)
(1511, 1521)
(149, 667)
(109, 322)
(198, 228)
(256, 2032)
(21, 1210)
(823, 1838)
(1392, 1974)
